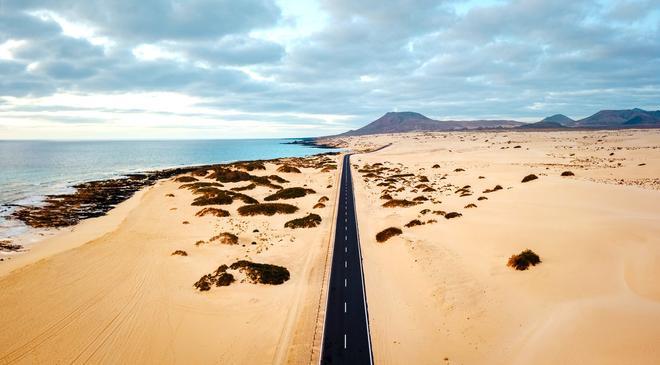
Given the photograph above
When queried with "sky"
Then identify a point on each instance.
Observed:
(125, 69)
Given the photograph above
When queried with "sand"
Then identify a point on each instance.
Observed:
(109, 290)
(442, 293)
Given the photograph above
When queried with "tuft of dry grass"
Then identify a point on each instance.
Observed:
(399, 203)
(185, 179)
(310, 221)
(225, 238)
(522, 260)
(267, 209)
(414, 222)
(289, 193)
(529, 177)
(288, 169)
(388, 233)
(451, 215)
(212, 211)
(262, 273)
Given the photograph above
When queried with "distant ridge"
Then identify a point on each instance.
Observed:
(558, 118)
(402, 122)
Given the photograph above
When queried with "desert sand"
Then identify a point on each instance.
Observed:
(441, 292)
(110, 291)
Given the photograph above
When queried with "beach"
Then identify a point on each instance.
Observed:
(441, 291)
(114, 289)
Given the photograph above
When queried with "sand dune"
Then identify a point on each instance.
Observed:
(122, 297)
(441, 292)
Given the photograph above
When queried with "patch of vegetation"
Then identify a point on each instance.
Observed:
(482, 198)
(186, 179)
(318, 206)
(386, 197)
(414, 222)
(215, 198)
(226, 175)
(399, 203)
(388, 233)
(436, 166)
(428, 190)
(522, 260)
(267, 209)
(179, 253)
(451, 215)
(199, 185)
(278, 179)
(529, 177)
(567, 173)
(220, 277)
(496, 188)
(459, 170)
(420, 198)
(225, 238)
(250, 186)
(423, 178)
(424, 211)
(262, 273)
(212, 211)
(289, 193)
(250, 165)
(439, 212)
(471, 205)
(288, 169)
(323, 199)
(310, 221)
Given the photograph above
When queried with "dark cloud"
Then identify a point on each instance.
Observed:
(518, 58)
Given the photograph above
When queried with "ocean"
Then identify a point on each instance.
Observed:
(29, 170)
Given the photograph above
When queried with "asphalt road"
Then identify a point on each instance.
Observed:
(346, 332)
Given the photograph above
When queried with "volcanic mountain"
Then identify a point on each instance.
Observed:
(401, 122)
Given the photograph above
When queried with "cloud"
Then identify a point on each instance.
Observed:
(337, 63)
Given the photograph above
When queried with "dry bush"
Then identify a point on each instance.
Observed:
(399, 203)
(471, 205)
(250, 186)
(323, 199)
(451, 215)
(423, 178)
(459, 170)
(567, 173)
(218, 278)
(262, 273)
(414, 222)
(288, 169)
(212, 211)
(179, 253)
(289, 193)
(424, 211)
(318, 206)
(310, 221)
(226, 175)
(169, 195)
(225, 238)
(436, 166)
(529, 177)
(250, 165)
(522, 260)
(420, 198)
(278, 179)
(386, 197)
(388, 233)
(428, 190)
(439, 212)
(496, 188)
(482, 198)
(267, 209)
(219, 198)
(199, 185)
(185, 179)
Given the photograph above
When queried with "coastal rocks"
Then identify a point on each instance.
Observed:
(7, 246)
(90, 200)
